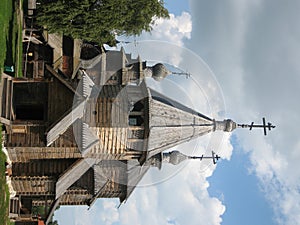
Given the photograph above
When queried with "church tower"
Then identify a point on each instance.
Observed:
(97, 134)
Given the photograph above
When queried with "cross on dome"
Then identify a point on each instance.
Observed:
(176, 157)
(264, 126)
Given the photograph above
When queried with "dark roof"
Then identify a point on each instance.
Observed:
(164, 99)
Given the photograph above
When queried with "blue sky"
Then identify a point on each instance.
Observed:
(252, 48)
(240, 192)
(177, 6)
(232, 181)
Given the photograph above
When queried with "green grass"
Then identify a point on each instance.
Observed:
(19, 59)
(6, 11)
(4, 193)
(17, 41)
(11, 38)
(10, 55)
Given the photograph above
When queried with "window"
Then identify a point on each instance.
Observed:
(135, 120)
(132, 121)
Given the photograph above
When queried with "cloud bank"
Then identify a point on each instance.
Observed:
(253, 48)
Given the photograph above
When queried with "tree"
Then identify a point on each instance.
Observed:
(53, 222)
(100, 20)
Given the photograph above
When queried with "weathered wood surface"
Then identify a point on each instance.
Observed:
(110, 178)
(6, 94)
(70, 176)
(75, 197)
(46, 167)
(60, 100)
(34, 186)
(112, 143)
(33, 137)
(62, 125)
(108, 109)
(170, 126)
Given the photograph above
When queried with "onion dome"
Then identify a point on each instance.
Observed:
(158, 72)
(174, 157)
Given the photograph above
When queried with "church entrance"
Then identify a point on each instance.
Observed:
(30, 112)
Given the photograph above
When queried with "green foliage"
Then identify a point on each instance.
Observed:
(100, 20)
(53, 223)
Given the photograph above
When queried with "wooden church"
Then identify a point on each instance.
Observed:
(90, 134)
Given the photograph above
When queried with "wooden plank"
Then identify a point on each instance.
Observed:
(118, 140)
(113, 136)
(8, 99)
(5, 121)
(3, 92)
(108, 113)
(104, 110)
(62, 125)
(72, 175)
(105, 140)
(62, 80)
(102, 134)
(113, 142)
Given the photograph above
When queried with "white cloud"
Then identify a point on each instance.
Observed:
(109, 213)
(165, 40)
(253, 51)
(179, 199)
(175, 29)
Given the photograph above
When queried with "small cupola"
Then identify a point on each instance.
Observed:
(158, 72)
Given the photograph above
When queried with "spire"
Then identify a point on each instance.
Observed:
(176, 157)
(171, 123)
(264, 126)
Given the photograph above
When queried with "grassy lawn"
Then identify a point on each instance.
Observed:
(4, 193)
(11, 40)
(6, 11)
(10, 55)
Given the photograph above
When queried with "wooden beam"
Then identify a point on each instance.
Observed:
(5, 121)
(63, 124)
(8, 99)
(71, 175)
(2, 108)
(30, 80)
(62, 80)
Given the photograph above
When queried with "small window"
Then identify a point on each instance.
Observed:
(135, 120)
(132, 121)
